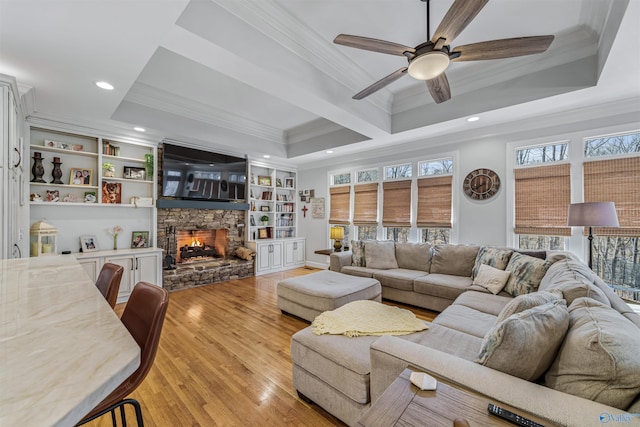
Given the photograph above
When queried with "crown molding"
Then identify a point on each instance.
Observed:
(159, 99)
(310, 129)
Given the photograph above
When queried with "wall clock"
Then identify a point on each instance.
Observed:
(481, 184)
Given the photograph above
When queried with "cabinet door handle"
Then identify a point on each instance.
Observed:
(17, 248)
(136, 263)
(19, 157)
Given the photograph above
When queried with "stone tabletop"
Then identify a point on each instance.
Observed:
(62, 348)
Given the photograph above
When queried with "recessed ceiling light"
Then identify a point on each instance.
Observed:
(266, 156)
(329, 151)
(104, 85)
(139, 129)
(473, 119)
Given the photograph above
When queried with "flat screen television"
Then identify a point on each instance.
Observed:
(188, 173)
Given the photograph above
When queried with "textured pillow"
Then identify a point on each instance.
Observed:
(380, 255)
(357, 253)
(526, 274)
(457, 260)
(495, 257)
(574, 279)
(600, 357)
(413, 256)
(525, 344)
(527, 301)
(491, 278)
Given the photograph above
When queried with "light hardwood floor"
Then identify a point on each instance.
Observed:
(223, 360)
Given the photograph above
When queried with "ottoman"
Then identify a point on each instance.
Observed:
(307, 296)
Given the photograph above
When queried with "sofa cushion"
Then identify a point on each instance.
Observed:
(358, 271)
(495, 257)
(451, 341)
(527, 301)
(457, 260)
(525, 344)
(357, 253)
(380, 255)
(441, 285)
(484, 301)
(574, 279)
(466, 319)
(526, 274)
(413, 256)
(398, 278)
(492, 279)
(600, 357)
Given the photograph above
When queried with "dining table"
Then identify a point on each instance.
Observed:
(62, 347)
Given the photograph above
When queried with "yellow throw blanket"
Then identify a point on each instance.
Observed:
(367, 318)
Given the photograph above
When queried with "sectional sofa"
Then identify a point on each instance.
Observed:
(540, 333)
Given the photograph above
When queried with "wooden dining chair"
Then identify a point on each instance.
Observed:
(143, 316)
(108, 282)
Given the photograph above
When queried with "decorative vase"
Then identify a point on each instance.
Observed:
(38, 169)
(56, 173)
(108, 173)
(115, 242)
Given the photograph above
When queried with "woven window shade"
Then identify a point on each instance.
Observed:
(543, 195)
(365, 204)
(616, 181)
(339, 205)
(434, 202)
(396, 209)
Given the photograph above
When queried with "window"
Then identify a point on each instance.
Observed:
(435, 236)
(365, 204)
(398, 234)
(435, 167)
(340, 208)
(399, 171)
(367, 232)
(396, 204)
(553, 243)
(434, 202)
(341, 178)
(369, 175)
(542, 154)
(612, 145)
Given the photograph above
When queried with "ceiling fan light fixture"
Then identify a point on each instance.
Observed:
(429, 65)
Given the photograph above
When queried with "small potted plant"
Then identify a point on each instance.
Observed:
(108, 170)
(264, 219)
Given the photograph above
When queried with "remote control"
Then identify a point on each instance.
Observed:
(511, 417)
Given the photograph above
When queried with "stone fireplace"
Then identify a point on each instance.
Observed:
(203, 247)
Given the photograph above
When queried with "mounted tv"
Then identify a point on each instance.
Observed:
(188, 173)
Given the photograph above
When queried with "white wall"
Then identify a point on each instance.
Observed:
(316, 231)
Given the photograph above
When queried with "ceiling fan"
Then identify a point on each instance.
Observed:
(429, 60)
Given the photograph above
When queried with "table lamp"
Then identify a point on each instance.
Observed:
(337, 233)
(593, 214)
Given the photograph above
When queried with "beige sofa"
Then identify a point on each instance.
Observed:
(568, 348)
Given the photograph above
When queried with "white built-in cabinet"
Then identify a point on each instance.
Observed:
(273, 218)
(139, 265)
(13, 207)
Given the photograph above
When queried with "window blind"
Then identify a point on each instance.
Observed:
(617, 181)
(365, 204)
(396, 209)
(339, 199)
(434, 202)
(543, 195)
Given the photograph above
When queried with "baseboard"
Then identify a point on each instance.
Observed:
(317, 265)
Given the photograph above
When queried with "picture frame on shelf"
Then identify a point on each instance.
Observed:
(264, 208)
(263, 233)
(132, 172)
(80, 176)
(264, 180)
(111, 192)
(88, 243)
(289, 182)
(90, 197)
(278, 182)
(139, 239)
(53, 195)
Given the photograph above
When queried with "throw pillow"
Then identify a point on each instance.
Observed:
(600, 357)
(525, 344)
(357, 253)
(456, 260)
(526, 274)
(380, 255)
(495, 257)
(527, 301)
(574, 279)
(413, 256)
(491, 278)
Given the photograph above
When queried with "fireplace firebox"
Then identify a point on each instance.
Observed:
(200, 245)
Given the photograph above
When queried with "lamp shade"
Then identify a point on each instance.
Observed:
(593, 214)
(337, 233)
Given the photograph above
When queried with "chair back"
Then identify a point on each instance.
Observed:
(108, 282)
(143, 316)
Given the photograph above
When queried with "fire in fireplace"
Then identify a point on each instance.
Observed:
(200, 245)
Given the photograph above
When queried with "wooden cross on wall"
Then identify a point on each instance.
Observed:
(304, 211)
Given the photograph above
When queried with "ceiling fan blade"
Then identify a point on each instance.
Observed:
(374, 45)
(439, 88)
(503, 48)
(381, 83)
(459, 15)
